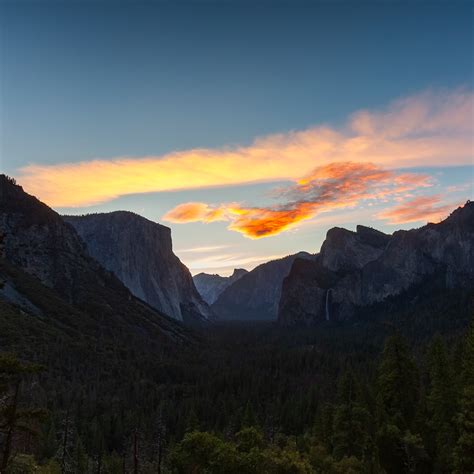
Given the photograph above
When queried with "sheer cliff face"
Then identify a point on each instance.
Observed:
(255, 296)
(357, 269)
(139, 252)
(211, 286)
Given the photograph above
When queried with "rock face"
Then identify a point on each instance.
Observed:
(211, 286)
(44, 265)
(255, 296)
(139, 252)
(344, 251)
(358, 269)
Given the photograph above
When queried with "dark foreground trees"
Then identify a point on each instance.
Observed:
(410, 419)
(19, 422)
(247, 408)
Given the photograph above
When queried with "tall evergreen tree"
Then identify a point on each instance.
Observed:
(441, 404)
(397, 399)
(397, 382)
(15, 417)
(464, 451)
(351, 421)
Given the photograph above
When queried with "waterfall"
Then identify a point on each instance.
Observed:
(327, 304)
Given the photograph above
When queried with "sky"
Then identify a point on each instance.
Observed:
(249, 128)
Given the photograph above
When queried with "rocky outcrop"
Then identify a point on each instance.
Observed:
(344, 251)
(211, 286)
(358, 269)
(45, 267)
(255, 296)
(139, 252)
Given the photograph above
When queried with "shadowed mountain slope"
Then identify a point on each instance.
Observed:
(255, 296)
(36, 242)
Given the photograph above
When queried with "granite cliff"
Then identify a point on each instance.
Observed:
(139, 252)
(359, 269)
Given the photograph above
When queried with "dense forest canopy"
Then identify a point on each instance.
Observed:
(372, 396)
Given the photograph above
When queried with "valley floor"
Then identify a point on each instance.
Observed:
(380, 394)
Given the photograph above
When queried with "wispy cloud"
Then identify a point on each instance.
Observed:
(228, 261)
(462, 188)
(336, 185)
(421, 209)
(428, 129)
(207, 249)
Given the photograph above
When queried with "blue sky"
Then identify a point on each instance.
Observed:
(106, 80)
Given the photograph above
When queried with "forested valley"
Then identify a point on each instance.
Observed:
(387, 396)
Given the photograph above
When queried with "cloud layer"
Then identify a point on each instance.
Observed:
(420, 209)
(327, 187)
(428, 129)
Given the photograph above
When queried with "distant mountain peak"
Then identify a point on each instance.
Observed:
(211, 286)
(256, 294)
(238, 272)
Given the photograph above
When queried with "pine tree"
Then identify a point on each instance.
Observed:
(397, 382)
(248, 417)
(397, 399)
(351, 421)
(464, 451)
(81, 459)
(441, 403)
(14, 417)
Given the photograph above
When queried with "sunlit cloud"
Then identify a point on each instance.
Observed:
(195, 212)
(421, 209)
(428, 129)
(336, 185)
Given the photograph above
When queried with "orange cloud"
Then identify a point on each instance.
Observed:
(328, 187)
(420, 209)
(429, 129)
(194, 212)
(261, 222)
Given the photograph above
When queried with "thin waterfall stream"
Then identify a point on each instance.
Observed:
(327, 304)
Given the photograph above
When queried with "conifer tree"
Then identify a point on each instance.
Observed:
(397, 399)
(397, 382)
(441, 403)
(464, 451)
(351, 421)
(14, 417)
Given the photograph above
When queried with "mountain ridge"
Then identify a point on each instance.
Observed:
(353, 272)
